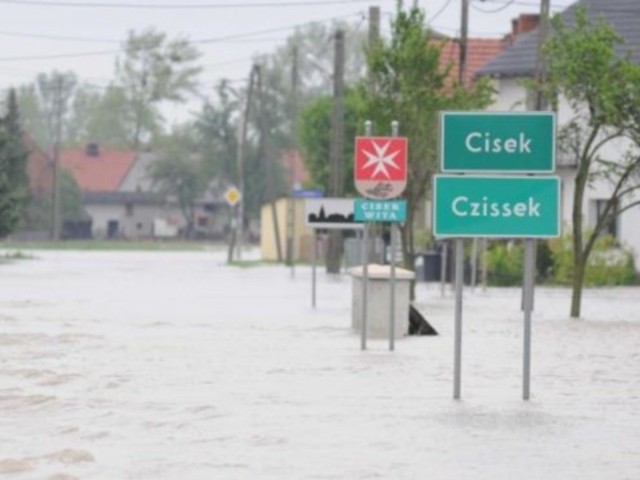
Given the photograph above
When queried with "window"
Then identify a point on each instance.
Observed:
(611, 226)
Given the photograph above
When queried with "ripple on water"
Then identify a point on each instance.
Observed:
(12, 465)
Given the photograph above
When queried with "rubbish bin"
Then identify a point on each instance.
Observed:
(428, 265)
(379, 300)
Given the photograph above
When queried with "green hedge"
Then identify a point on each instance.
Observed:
(608, 264)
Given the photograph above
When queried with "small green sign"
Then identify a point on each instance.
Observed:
(509, 142)
(499, 206)
(380, 210)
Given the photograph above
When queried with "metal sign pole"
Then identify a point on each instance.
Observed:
(392, 317)
(314, 261)
(368, 127)
(365, 279)
(459, 259)
(474, 263)
(483, 255)
(529, 269)
(443, 267)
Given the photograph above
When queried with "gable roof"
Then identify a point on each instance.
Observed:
(103, 172)
(520, 59)
(479, 52)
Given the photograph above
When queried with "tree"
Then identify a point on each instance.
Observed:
(13, 177)
(99, 116)
(315, 128)
(154, 70)
(181, 174)
(217, 132)
(412, 86)
(602, 89)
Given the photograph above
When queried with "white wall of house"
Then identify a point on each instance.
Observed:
(512, 96)
(134, 222)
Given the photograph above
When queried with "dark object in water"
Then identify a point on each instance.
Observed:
(418, 325)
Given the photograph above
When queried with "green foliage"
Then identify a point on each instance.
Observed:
(38, 211)
(411, 85)
(181, 173)
(602, 87)
(99, 116)
(505, 263)
(153, 70)
(608, 265)
(217, 133)
(13, 176)
(584, 67)
(315, 139)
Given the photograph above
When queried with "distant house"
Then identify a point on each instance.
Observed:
(123, 202)
(518, 62)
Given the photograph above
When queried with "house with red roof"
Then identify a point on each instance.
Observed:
(122, 200)
(480, 51)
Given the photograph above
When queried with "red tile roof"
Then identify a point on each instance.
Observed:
(101, 173)
(479, 52)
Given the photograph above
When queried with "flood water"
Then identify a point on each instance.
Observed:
(173, 365)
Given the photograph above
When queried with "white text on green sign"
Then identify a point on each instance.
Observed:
(504, 206)
(498, 142)
(380, 210)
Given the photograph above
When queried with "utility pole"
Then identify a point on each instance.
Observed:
(464, 32)
(240, 161)
(267, 164)
(336, 177)
(290, 260)
(374, 37)
(543, 32)
(58, 106)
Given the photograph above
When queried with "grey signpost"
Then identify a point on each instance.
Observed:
(326, 213)
(314, 261)
(368, 128)
(392, 260)
(505, 206)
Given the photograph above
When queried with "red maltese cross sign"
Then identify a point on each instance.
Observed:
(381, 166)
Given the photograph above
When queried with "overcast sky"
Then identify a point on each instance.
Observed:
(85, 35)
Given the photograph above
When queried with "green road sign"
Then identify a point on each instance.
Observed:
(380, 210)
(498, 142)
(499, 206)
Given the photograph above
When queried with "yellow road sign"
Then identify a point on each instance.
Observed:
(232, 196)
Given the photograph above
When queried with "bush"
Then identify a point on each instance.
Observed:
(505, 263)
(608, 264)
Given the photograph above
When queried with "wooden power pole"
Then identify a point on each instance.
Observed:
(268, 165)
(464, 38)
(336, 153)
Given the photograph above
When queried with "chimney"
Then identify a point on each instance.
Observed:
(525, 23)
(92, 149)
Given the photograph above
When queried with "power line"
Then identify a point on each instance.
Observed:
(525, 3)
(57, 37)
(63, 55)
(495, 10)
(439, 12)
(254, 4)
(228, 38)
(271, 30)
